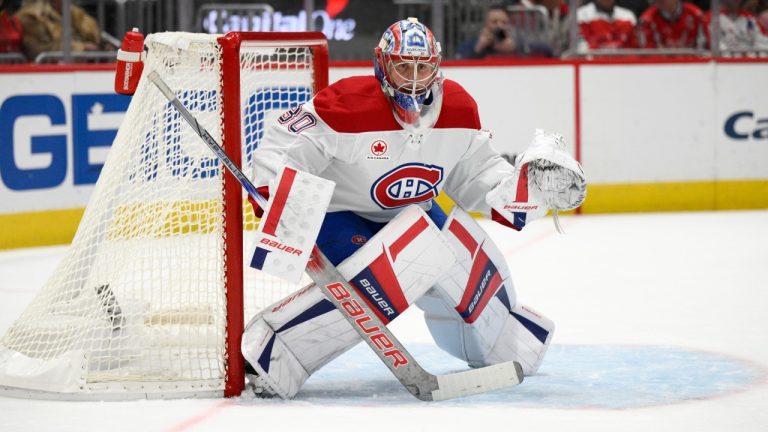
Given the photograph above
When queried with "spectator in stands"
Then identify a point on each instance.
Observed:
(495, 38)
(739, 29)
(41, 20)
(672, 24)
(602, 24)
(10, 30)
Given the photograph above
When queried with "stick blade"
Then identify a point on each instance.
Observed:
(478, 381)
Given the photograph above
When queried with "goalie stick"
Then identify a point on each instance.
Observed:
(420, 383)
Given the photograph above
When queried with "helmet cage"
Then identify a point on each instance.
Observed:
(410, 75)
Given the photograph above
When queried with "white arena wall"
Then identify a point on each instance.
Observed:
(652, 135)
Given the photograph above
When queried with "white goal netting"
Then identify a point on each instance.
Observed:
(138, 306)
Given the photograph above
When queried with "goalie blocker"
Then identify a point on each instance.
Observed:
(469, 305)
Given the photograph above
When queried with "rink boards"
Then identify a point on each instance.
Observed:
(651, 134)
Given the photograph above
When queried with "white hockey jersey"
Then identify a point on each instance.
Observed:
(348, 134)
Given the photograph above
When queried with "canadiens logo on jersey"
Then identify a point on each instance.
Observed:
(407, 184)
(379, 150)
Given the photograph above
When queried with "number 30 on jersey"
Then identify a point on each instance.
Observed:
(297, 121)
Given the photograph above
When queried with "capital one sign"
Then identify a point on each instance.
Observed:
(222, 21)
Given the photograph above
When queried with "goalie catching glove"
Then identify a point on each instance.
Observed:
(545, 177)
(557, 177)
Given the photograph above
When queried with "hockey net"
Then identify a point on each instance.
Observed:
(151, 298)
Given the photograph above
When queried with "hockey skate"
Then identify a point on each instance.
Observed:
(255, 383)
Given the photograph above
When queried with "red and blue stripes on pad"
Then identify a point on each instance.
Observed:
(484, 278)
(484, 281)
(378, 282)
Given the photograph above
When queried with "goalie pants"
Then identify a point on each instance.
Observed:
(343, 233)
(289, 341)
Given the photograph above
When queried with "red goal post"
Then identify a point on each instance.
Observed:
(232, 143)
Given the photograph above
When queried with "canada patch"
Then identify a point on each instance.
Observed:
(407, 184)
(379, 150)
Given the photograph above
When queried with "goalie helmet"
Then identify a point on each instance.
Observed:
(407, 65)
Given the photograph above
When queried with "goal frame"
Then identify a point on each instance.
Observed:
(108, 337)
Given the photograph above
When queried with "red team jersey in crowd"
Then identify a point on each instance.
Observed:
(602, 30)
(686, 30)
(10, 33)
(347, 134)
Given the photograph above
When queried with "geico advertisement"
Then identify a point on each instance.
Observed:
(55, 132)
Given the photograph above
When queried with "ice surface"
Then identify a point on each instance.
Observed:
(661, 325)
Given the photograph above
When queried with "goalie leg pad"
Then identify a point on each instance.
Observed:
(287, 342)
(471, 311)
(525, 338)
(275, 370)
(290, 340)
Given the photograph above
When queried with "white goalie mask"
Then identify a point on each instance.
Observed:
(407, 65)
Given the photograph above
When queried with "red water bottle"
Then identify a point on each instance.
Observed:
(130, 62)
